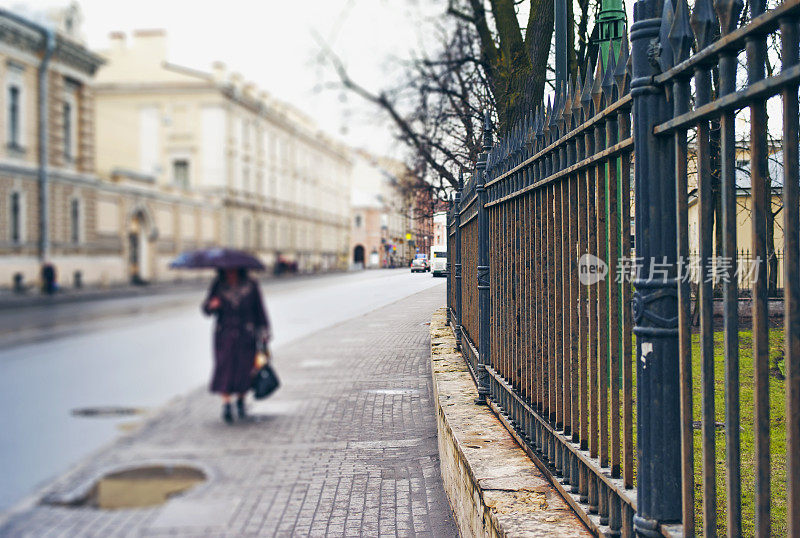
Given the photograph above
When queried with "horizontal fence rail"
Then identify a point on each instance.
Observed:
(586, 348)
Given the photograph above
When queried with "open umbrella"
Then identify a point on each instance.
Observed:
(217, 258)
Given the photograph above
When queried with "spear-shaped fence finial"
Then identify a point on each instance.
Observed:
(681, 35)
(586, 93)
(704, 23)
(665, 59)
(539, 134)
(728, 13)
(576, 99)
(597, 83)
(608, 77)
(560, 119)
(622, 73)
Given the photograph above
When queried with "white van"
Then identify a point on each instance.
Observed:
(439, 261)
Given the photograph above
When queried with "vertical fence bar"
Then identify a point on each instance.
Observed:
(756, 58)
(537, 297)
(702, 82)
(655, 308)
(601, 208)
(516, 294)
(729, 13)
(450, 253)
(622, 80)
(457, 225)
(614, 297)
(494, 273)
(565, 307)
(791, 271)
(484, 304)
(505, 330)
(551, 310)
(593, 356)
(558, 308)
(682, 39)
(583, 299)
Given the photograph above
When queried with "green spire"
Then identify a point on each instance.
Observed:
(611, 27)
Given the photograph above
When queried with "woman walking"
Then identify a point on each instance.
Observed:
(242, 329)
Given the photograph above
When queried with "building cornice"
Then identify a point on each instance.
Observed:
(228, 91)
(27, 39)
(105, 187)
(152, 87)
(76, 56)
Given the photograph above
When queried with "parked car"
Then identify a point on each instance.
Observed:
(439, 261)
(419, 265)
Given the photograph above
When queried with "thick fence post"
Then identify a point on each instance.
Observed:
(655, 306)
(484, 313)
(449, 265)
(457, 243)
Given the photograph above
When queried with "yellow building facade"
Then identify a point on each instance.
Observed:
(274, 184)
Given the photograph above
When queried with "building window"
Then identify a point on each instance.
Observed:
(358, 221)
(246, 233)
(75, 221)
(231, 231)
(14, 116)
(180, 172)
(259, 234)
(67, 131)
(149, 150)
(15, 214)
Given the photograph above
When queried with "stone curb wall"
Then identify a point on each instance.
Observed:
(493, 487)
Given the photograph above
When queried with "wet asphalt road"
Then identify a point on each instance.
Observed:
(138, 353)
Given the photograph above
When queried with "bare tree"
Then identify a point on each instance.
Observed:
(485, 61)
(437, 111)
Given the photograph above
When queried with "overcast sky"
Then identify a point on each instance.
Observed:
(271, 43)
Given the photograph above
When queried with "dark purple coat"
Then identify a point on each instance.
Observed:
(242, 326)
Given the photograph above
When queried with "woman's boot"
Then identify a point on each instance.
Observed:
(227, 413)
(240, 408)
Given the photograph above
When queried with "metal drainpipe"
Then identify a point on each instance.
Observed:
(49, 48)
(44, 199)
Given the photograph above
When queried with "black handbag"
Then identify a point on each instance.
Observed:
(265, 382)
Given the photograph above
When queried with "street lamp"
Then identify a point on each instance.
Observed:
(560, 27)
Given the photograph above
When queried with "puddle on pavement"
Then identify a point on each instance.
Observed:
(141, 487)
(106, 411)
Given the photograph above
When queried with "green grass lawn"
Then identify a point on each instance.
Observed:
(777, 433)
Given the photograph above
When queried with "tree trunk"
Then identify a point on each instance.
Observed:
(540, 32)
(772, 259)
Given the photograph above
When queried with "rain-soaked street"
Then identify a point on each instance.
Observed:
(137, 354)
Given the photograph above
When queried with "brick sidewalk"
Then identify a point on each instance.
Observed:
(346, 447)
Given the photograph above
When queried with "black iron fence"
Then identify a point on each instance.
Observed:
(542, 228)
(743, 267)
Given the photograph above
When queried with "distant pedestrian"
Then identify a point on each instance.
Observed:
(242, 329)
(48, 278)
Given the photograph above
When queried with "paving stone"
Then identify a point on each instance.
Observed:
(347, 446)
